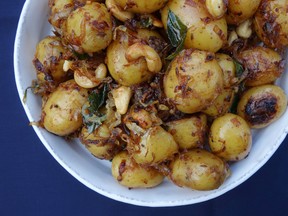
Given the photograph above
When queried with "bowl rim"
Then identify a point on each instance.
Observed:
(102, 191)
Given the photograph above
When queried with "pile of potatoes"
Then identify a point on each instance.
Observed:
(186, 118)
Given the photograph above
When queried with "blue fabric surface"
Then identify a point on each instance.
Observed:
(33, 183)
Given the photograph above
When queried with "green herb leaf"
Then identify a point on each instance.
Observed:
(92, 117)
(176, 32)
(239, 68)
(80, 56)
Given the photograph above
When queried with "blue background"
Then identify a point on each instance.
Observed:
(33, 183)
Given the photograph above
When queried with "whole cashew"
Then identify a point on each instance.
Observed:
(87, 80)
(138, 50)
(244, 30)
(117, 12)
(216, 8)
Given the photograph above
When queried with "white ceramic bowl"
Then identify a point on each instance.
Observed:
(96, 174)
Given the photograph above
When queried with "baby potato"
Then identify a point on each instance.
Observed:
(228, 67)
(204, 32)
(230, 137)
(59, 11)
(264, 65)
(129, 174)
(124, 71)
(221, 104)
(262, 105)
(199, 170)
(140, 6)
(88, 29)
(270, 23)
(100, 142)
(61, 114)
(193, 80)
(189, 132)
(241, 10)
(154, 147)
(49, 60)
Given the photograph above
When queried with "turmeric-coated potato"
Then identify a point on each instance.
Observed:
(230, 137)
(193, 80)
(262, 105)
(199, 170)
(189, 132)
(88, 29)
(61, 113)
(129, 174)
(204, 32)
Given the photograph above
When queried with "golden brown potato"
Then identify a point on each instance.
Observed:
(270, 23)
(221, 104)
(189, 132)
(128, 71)
(204, 32)
(241, 10)
(199, 170)
(193, 80)
(100, 142)
(264, 65)
(228, 67)
(140, 6)
(129, 174)
(61, 113)
(49, 59)
(230, 137)
(154, 147)
(89, 28)
(262, 105)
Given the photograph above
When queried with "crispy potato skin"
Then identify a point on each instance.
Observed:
(140, 6)
(270, 23)
(262, 105)
(264, 65)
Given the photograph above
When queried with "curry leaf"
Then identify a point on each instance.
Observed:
(176, 31)
(97, 98)
(239, 68)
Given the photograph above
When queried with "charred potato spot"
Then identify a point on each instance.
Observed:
(262, 105)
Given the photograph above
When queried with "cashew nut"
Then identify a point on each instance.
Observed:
(244, 30)
(122, 96)
(87, 80)
(216, 8)
(67, 65)
(232, 37)
(138, 50)
(117, 12)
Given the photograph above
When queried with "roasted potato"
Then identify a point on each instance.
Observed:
(204, 32)
(88, 29)
(230, 137)
(189, 132)
(199, 170)
(262, 105)
(193, 80)
(270, 23)
(241, 10)
(129, 174)
(129, 71)
(61, 114)
(140, 6)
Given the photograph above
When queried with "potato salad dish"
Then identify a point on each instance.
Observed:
(163, 89)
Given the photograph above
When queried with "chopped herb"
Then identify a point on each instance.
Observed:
(91, 114)
(176, 32)
(239, 68)
(81, 56)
